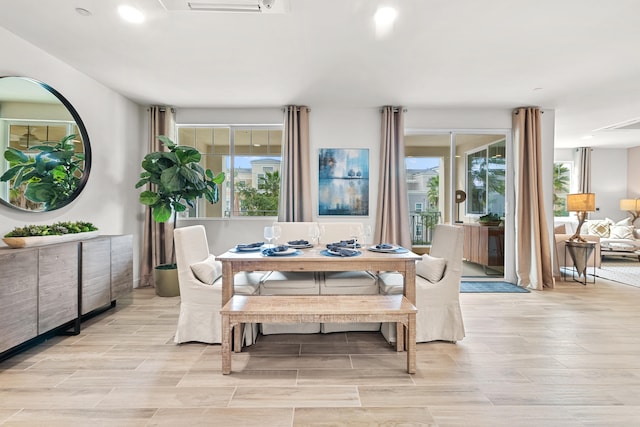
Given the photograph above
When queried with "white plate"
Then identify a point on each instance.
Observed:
(289, 251)
(253, 249)
(338, 253)
(392, 249)
(301, 246)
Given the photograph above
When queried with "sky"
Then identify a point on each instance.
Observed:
(421, 162)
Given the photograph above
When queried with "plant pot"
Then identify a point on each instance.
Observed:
(165, 278)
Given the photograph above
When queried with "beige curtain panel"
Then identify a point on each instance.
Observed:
(534, 266)
(393, 212)
(157, 243)
(295, 197)
(584, 170)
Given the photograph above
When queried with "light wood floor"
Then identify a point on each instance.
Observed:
(565, 357)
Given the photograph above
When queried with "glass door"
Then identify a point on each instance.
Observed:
(462, 177)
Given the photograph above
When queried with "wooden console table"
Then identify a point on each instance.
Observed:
(484, 244)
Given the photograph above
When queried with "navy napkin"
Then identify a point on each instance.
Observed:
(384, 246)
(342, 251)
(249, 245)
(298, 242)
(271, 251)
(344, 244)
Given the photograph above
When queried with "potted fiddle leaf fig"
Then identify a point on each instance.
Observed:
(177, 182)
(47, 175)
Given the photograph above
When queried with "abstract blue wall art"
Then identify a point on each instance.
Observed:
(343, 182)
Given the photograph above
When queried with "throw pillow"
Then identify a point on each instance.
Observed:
(431, 268)
(599, 228)
(207, 271)
(560, 229)
(626, 221)
(621, 232)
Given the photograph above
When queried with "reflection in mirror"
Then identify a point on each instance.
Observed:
(46, 156)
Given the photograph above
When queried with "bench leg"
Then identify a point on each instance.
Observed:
(411, 344)
(237, 337)
(226, 345)
(400, 331)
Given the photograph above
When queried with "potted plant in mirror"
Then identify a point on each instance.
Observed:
(45, 175)
(177, 181)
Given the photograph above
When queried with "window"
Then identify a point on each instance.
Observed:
(423, 188)
(561, 187)
(250, 156)
(485, 176)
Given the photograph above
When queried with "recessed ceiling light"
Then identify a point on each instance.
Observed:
(130, 14)
(82, 11)
(385, 15)
(384, 19)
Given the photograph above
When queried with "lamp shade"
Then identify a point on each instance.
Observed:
(581, 202)
(630, 205)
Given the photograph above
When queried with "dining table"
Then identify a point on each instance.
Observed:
(317, 259)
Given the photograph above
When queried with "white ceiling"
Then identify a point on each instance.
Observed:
(579, 57)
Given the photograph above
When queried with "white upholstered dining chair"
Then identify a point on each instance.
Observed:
(438, 278)
(199, 276)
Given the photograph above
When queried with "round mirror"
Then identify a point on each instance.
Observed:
(46, 156)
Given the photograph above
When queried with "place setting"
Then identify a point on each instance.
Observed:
(247, 247)
(343, 248)
(387, 248)
(274, 232)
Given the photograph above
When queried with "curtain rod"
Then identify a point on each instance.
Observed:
(516, 112)
(395, 109)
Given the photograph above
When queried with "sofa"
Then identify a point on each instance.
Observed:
(613, 238)
(616, 237)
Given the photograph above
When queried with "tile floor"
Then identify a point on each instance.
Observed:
(564, 357)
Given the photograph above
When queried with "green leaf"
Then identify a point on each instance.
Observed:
(10, 173)
(40, 192)
(13, 156)
(219, 179)
(167, 142)
(162, 213)
(190, 176)
(149, 198)
(179, 207)
(142, 182)
(43, 148)
(187, 154)
(171, 179)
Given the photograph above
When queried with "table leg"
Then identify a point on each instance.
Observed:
(226, 344)
(411, 344)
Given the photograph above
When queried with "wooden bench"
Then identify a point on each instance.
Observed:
(322, 308)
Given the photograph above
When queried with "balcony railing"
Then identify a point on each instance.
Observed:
(422, 226)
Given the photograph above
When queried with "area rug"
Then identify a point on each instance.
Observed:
(619, 269)
(502, 287)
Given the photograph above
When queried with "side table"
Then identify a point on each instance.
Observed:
(580, 253)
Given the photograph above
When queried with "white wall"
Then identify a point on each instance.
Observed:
(609, 182)
(633, 172)
(116, 131)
